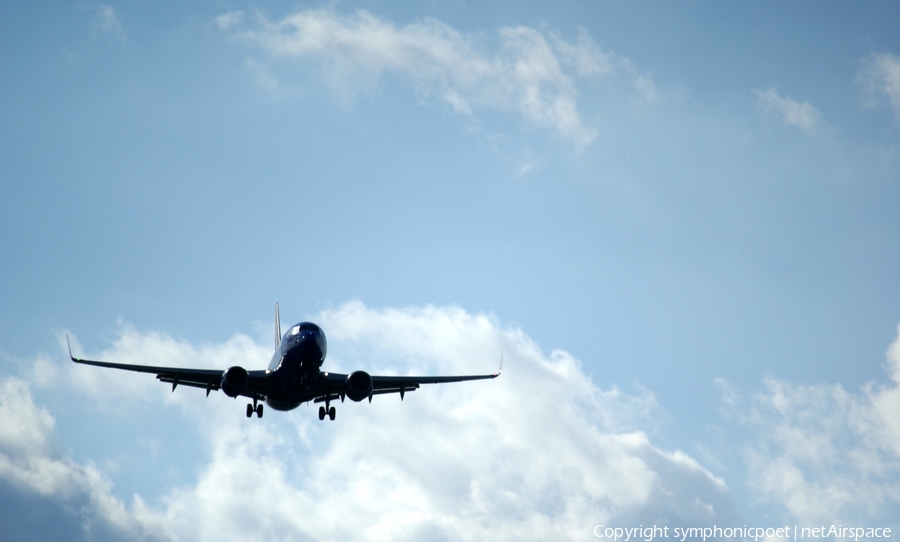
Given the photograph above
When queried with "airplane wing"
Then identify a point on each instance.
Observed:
(208, 379)
(331, 386)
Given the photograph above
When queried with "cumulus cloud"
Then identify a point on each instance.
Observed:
(33, 472)
(791, 112)
(881, 76)
(533, 72)
(540, 453)
(825, 454)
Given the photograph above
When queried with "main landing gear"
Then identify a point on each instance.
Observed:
(326, 411)
(254, 408)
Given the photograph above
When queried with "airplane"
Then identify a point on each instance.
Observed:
(294, 376)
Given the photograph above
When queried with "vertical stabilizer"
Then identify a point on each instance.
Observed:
(277, 327)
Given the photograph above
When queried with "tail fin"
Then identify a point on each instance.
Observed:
(277, 327)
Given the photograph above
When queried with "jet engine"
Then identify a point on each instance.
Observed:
(235, 381)
(358, 385)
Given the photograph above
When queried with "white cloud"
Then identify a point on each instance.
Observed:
(533, 73)
(881, 75)
(792, 113)
(539, 453)
(229, 20)
(527, 163)
(105, 23)
(824, 454)
(29, 464)
(584, 55)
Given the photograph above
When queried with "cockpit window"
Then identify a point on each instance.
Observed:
(308, 326)
(305, 326)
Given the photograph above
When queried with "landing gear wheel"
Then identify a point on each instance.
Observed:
(331, 413)
(249, 410)
(259, 411)
(321, 413)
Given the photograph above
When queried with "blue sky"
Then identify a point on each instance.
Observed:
(678, 222)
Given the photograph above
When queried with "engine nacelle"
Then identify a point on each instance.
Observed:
(235, 381)
(358, 385)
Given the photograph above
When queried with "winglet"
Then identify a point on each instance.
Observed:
(277, 327)
(70, 348)
(500, 370)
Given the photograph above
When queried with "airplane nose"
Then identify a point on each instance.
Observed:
(311, 348)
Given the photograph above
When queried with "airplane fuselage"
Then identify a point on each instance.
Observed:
(295, 366)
